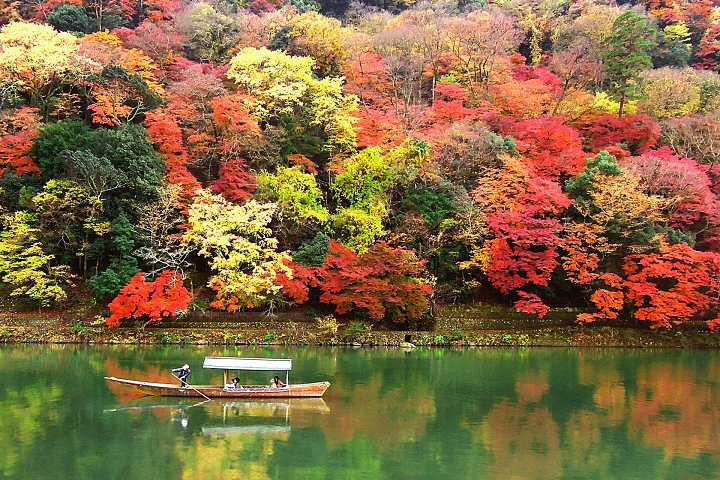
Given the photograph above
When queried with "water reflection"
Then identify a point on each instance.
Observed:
(226, 417)
(479, 413)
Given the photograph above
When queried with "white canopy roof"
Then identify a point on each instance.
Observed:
(238, 363)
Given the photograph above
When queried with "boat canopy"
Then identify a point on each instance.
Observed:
(237, 363)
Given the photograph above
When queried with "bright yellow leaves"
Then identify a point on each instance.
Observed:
(279, 81)
(37, 61)
(621, 199)
(241, 249)
(284, 88)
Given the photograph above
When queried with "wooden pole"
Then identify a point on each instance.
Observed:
(198, 391)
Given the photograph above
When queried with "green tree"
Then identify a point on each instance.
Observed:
(314, 252)
(115, 277)
(123, 266)
(25, 266)
(129, 149)
(12, 187)
(674, 46)
(298, 197)
(54, 140)
(628, 53)
(69, 18)
(97, 174)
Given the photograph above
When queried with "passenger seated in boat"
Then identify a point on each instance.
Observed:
(275, 382)
(234, 385)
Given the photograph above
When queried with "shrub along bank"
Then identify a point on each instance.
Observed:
(462, 326)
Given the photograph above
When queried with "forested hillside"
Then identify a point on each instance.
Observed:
(373, 157)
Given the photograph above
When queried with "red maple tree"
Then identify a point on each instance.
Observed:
(665, 287)
(552, 148)
(622, 137)
(162, 297)
(167, 136)
(16, 141)
(384, 282)
(522, 212)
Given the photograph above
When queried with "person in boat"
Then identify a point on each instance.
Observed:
(234, 384)
(275, 382)
(183, 373)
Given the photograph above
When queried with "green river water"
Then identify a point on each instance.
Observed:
(481, 413)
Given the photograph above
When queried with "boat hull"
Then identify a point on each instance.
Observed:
(298, 390)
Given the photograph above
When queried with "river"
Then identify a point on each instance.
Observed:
(479, 413)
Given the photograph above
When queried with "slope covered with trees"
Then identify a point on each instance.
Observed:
(373, 157)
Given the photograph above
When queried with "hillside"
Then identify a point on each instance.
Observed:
(373, 161)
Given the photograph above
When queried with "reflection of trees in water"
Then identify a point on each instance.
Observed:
(523, 442)
(384, 415)
(666, 407)
(23, 419)
(476, 413)
(609, 389)
(635, 404)
(235, 457)
(673, 411)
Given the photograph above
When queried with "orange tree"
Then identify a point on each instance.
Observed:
(618, 248)
(153, 300)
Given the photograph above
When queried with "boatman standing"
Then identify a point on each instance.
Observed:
(183, 373)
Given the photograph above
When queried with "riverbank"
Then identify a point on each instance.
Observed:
(457, 326)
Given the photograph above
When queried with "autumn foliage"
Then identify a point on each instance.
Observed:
(149, 301)
(663, 288)
(385, 282)
(522, 212)
(17, 141)
(622, 137)
(581, 172)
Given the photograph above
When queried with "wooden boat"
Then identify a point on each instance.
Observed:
(228, 364)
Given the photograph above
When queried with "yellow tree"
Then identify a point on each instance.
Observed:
(321, 38)
(285, 93)
(37, 62)
(362, 192)
(241, 249)
(26, 267)
(673, 92)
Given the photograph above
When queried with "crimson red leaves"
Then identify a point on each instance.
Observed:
(664, 288)
(162, 297)
(385, 282)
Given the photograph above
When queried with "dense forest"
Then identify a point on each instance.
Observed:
(366, 157)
